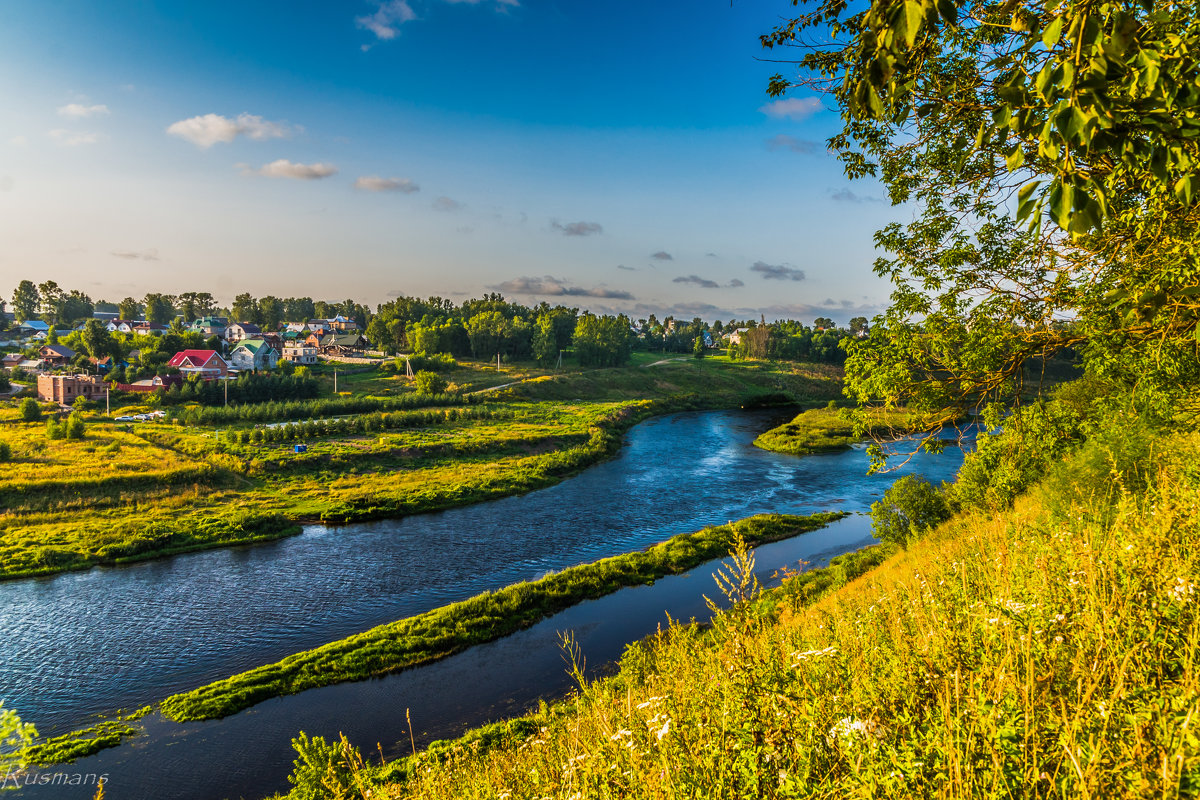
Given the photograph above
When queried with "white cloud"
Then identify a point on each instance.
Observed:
(207, 130)
(286, 169)
(795, 108)
(373, 183)
(80, 111)
(73, 138)
(444, 203)
(387, 19)
(18, 141)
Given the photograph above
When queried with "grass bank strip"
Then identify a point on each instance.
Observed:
(483, 618)
(88, 741)
(824, 429)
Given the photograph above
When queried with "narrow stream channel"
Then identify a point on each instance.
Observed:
(109, 638)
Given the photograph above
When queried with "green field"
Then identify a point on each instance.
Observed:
(135, 491)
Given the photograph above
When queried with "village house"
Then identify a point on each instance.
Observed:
(149, 328)
(300, 353)
(64, 389)
(30, 328)
(342, 344)
(120, 326)
(56, 355)
(254, 354)
(209, 326)
(208, 364)
(238, 331)
(11, 360)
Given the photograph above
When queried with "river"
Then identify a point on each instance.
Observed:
(87, 643)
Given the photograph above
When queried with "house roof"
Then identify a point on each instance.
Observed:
(341, 340)
(59, 350)
(247, 327)
(253, 345)
(196, 357)
(35, 324)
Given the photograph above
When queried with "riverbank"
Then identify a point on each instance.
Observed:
(118, 496)
(444, 631)
(1051, 647)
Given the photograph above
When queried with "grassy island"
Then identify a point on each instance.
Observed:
(824, 429)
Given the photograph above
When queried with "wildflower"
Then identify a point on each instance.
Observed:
(847, 731)
(828, 651)
(1182, 590)
(661, 732)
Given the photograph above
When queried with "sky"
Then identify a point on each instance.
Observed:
(616, 156)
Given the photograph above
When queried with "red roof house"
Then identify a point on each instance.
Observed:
(207, 363)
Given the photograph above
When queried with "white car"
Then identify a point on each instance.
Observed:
(123, 419)
(142, 417)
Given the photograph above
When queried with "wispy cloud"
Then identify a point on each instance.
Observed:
(784, 142)
(847, 196)
(74, 138)
(387, 18)
(627, 269)
(209, 129)
(282, 168)
(374, 183)
(555, 287)
(662, 255)
(577, 228)
(777, 271)
(444, 203)
(794, 108)
(137, 255)
(80, 111)
(707, 283)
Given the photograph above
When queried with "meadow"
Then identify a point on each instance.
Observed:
(822, 429)
(212, 478)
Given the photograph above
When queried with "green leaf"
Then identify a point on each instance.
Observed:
(1052, 33)
(948, 11)
(1016, 158)
(914, 16)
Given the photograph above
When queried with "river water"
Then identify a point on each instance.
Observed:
(88, 643)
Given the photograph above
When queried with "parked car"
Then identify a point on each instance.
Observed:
(124, 419)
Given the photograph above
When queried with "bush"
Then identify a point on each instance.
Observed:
(910, 508)
(54, 430)
(75, 427)
(5, 452)
(4, 383)
(427, 382)
(30, 410)
(322, 769)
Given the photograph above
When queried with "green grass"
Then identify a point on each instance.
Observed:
(486, 617)
(1050, 650)
(824, 429)
(78, 744)
(165, 489)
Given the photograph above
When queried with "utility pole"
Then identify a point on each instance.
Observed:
(558, 366)
(106, 405)
(497, 362)
(335, 380)
(226, 382)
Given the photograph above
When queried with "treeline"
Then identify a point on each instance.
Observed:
(362, 424)
(248, 388)
(302, 409)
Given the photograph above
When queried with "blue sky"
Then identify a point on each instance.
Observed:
(616, 156)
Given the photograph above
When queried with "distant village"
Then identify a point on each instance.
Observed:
(233, 348)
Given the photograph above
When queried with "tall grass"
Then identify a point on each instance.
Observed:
(1048, 651)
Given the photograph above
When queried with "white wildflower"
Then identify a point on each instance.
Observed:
(661, 732)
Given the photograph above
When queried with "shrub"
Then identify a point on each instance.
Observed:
(427, 382)
(54, 430)
(4, 384)
(74, 427)
(322, 769)
(30, 410)
(910, 508)
(5, 451)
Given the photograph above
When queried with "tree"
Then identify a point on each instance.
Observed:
(545, 344)
(160, 308)
(270, 311)
(859, 326)
(427, 382)
(26, 300)
(824, 323)
(194, 305)
(129, 309)
(15, 738)
(603, 341)
(698, 347)
(30, 410)
(908, 509)
(51, 296)
(1052, 153)
(52, 335)
(245, 309)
